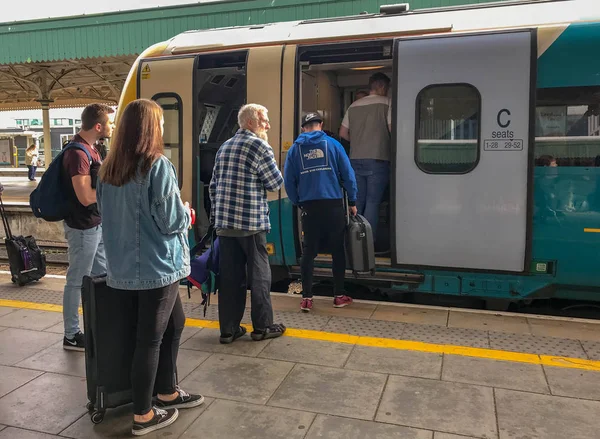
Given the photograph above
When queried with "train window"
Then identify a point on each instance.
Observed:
(447, 129)
(221, 88)
(171, 105)
(567, 126)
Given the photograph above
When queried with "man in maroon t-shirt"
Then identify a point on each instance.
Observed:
(83, 226)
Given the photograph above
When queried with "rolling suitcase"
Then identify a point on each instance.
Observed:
(26, 260)
(359, 242)
(360, 250)
(109, 320)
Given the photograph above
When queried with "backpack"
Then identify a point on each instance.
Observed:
(204, 273)
(48, 200)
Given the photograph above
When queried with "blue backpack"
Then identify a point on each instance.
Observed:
(49, 199)
(204, 273)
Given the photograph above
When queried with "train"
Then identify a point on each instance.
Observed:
(495, 173)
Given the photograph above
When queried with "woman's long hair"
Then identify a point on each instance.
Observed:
(31, 147)
(136, 145)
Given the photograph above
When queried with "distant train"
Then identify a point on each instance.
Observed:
(479, 94)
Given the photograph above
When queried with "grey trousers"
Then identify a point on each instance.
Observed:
(243, 264)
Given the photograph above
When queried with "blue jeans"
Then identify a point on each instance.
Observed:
(372, 178)
(86, 257)
(31, 171)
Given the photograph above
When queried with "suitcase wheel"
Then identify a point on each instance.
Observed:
(89, 407)
(97, 417)
(372, 272)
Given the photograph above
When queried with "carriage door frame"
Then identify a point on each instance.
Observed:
(475, 213)
(172, 77)
(265, 76)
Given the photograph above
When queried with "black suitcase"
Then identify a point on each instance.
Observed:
(109, 320)
(26, 260)
(360, 250)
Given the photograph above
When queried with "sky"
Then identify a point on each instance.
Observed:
(61, 8)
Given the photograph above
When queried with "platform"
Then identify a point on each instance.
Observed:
(372, 370)
(17, 187)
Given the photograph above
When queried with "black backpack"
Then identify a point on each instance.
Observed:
(49, 200)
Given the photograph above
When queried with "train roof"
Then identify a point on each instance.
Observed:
(488, 16)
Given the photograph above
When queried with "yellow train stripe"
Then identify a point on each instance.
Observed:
(588, 230)
(379, 342)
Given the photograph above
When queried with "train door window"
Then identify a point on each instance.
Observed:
(171, 105)
(567, 126)
(447, 131)
(221, 92)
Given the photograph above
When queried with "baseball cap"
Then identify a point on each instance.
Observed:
(311, 117)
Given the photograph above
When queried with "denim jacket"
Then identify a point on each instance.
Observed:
(144, 228)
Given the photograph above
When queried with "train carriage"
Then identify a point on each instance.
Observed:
(482, 96)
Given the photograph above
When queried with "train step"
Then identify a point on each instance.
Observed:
(379, 276)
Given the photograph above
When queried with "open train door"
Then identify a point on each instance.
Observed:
(463, 138)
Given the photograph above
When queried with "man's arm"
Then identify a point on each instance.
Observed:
(344, 133)
(268, 172)
(290, 179)
(345, 127)
(82, 184)
(212, 194)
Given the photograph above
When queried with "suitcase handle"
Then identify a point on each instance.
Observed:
(346, 207)
(5, 222)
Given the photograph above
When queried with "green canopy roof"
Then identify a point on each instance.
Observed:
(130, 32)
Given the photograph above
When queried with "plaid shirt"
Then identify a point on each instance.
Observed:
(245, 169)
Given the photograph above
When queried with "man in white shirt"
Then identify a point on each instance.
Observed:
(367, 125)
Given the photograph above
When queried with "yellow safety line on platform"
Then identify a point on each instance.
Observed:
(387, 343)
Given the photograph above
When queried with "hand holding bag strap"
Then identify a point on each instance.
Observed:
(208, 236)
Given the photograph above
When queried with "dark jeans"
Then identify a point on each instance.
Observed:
(243, 263)
(372, 179)
(324, 225)
(160, 323)
(31, 172)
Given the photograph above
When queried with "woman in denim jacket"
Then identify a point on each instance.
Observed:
(145, 225)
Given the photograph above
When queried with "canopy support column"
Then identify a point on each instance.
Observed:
(45, 103)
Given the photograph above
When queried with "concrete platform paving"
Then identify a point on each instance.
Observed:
(330, 378)
(17, 187)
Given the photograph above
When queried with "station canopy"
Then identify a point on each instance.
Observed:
(72, 61)
(63, 84)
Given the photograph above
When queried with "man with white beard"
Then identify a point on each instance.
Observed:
(245, 168)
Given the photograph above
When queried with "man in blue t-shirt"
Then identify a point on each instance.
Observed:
(316, 170)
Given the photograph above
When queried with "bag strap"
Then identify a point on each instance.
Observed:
(208, 236)
(76, 145)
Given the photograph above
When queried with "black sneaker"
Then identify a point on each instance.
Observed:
(77, 343)
(161, 419)
(183, 401)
